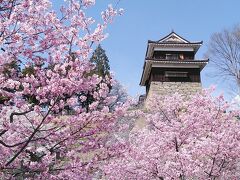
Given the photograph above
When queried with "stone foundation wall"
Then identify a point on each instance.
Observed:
(166, 88)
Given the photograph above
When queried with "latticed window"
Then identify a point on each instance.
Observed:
(171, 56)
(176, 74)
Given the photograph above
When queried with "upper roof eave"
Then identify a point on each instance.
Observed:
(178, 60)
(171, 43)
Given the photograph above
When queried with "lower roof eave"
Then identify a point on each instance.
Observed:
(166, 63)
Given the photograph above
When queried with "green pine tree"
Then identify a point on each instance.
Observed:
(100, 59)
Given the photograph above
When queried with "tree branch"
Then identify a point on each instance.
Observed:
(18, 114)
(31, 137)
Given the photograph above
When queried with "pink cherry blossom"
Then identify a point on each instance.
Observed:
(185, 138)
(49, 118)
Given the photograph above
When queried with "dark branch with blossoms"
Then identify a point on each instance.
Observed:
(47, 122)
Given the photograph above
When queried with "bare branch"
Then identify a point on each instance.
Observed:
(224, 53)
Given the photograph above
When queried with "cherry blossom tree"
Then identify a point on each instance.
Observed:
(44, 70)
(195, 138)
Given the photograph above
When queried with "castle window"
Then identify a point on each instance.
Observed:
(171, 56)
(181, 56)
(176, 74)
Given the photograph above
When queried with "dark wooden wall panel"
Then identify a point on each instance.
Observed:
(162, 54)
(158, 74)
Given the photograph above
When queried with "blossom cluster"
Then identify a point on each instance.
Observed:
(185, 138)
(53, 109)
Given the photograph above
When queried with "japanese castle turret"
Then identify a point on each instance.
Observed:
(170, 66)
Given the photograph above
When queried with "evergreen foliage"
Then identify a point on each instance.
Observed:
(100, 59)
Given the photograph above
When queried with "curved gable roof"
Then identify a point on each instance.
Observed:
(173, 38)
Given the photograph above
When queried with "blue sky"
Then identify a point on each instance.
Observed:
(144, 20)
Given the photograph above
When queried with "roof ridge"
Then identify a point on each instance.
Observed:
(179, 39)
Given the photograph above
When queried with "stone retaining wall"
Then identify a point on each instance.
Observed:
(166, 88)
